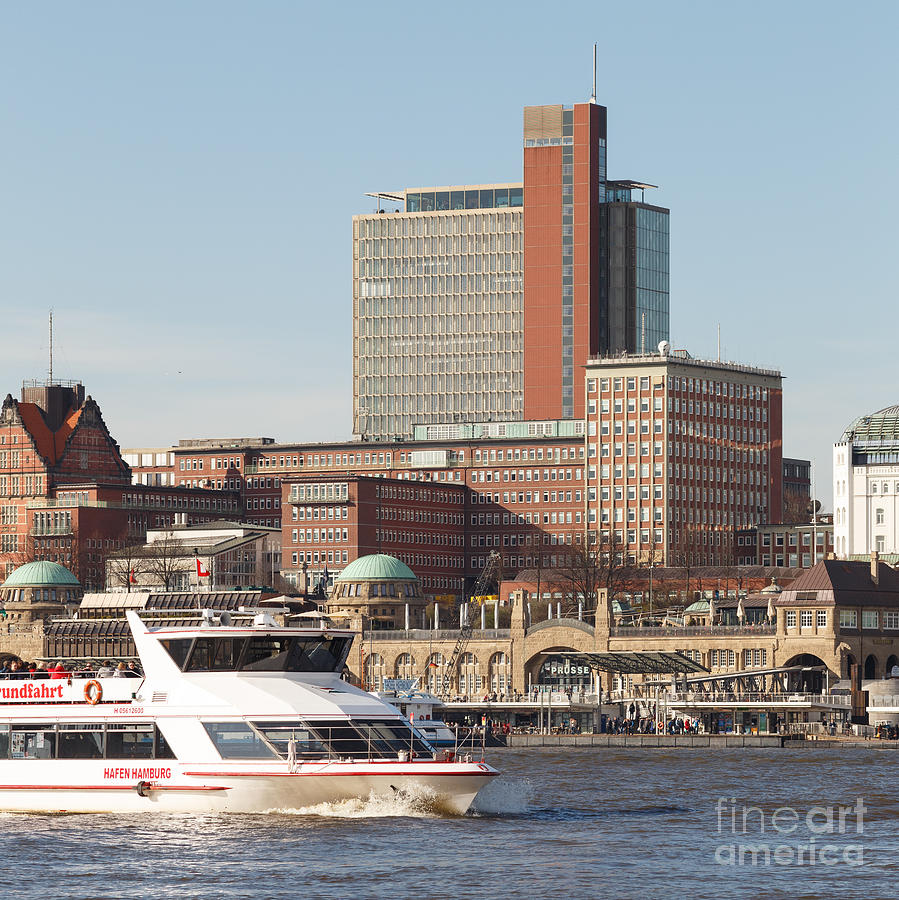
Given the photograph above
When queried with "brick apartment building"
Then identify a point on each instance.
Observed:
(522, 482)
(331, 520)
(66, 494)
(682, 453)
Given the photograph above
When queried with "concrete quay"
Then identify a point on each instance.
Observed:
(518, 741)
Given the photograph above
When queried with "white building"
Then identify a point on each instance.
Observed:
(866, 485)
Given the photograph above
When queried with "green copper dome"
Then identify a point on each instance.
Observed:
(40, 574)
(699, 606)
(376, 567)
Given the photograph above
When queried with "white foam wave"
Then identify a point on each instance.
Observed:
(416, 801)
(503, 795)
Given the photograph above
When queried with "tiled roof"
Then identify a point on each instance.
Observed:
(848, 582)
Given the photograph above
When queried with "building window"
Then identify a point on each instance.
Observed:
(848, 618)
(791, 618)
(821, 618)
(869, 619)
(878, 517)
(891, 619)
(805, 618)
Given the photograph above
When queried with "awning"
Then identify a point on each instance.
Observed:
(634, 662)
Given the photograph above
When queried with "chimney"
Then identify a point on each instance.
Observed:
(875, 563)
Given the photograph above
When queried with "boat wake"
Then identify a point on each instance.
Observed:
(503, 796)
(415, 801)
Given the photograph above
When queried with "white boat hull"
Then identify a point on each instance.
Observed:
(102, 786)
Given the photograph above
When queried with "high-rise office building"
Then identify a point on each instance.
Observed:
(485, 302)
(437, 309)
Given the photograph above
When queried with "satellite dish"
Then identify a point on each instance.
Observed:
(664, 348)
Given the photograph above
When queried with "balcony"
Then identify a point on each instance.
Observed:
(692, 630)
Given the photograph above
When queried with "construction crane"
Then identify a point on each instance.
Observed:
(492, 572)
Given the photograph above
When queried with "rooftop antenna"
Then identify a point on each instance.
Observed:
(719, 342)
(593, 95)
(51, 346)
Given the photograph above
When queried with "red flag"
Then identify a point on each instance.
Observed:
(202, 572)
(131, 578)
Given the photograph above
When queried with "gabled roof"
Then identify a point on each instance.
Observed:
(50, 445)
(847, 582)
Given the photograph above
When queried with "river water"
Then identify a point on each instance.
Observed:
(579, 823)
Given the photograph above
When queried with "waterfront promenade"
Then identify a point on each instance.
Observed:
(698, 741)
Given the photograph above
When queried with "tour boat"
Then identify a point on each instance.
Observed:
(226, 718)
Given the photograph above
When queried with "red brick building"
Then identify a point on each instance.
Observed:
(66, 493)
(683, 452)
(331, 520)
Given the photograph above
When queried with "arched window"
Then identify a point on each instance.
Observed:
(374, 672)
(870, 667)
(434, 674)
(500, 673)
(405, 666)
(469, 675)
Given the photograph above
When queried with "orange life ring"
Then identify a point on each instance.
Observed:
(93, 692)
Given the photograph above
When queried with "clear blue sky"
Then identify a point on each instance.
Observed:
(179, 180)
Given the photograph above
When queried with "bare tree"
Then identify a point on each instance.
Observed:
(600, 563)
(165, 560)
(797, 507)
(681, 555)
(125, 567)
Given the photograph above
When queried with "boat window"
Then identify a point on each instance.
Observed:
(236, 740)
(163, 750)
(33, 741)
(268, 653)
(129, 740)
(4, 741)
(320, 653)
(178, 649)
(341, 737)
(392, 735)
(315, 653)
(216, 654)
(279, 734)
(80, 741)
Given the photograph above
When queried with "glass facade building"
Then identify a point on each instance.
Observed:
(634, 283)
(438, 306)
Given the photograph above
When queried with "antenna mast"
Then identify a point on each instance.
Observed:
(51, 346)
(593, 95)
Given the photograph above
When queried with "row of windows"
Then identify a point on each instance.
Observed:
(872, 619)
(313, 535)
(809, 618)
(132, 740)
(407, 226)
(316, 513)
(314, 557)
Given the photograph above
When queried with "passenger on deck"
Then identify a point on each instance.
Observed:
(121, 671)
(106, 670)
(57, 670)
